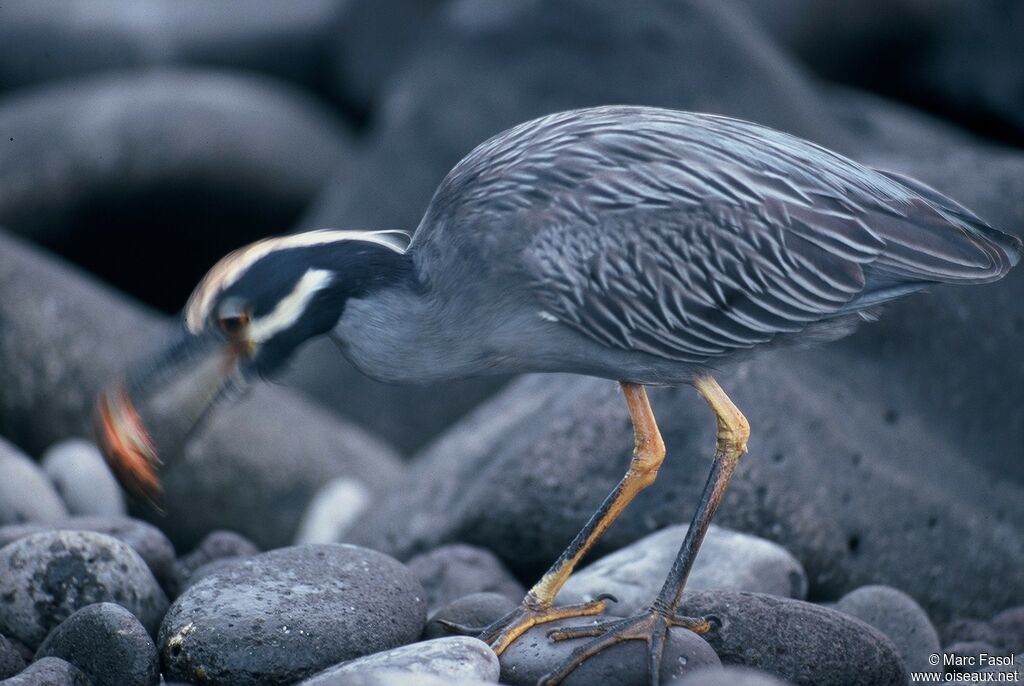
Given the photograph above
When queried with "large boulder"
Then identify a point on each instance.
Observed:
(190, 162)
(283, 615)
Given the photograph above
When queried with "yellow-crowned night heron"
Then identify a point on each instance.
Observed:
(636, 244)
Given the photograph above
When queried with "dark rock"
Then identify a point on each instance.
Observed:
(82, 478)
(487, 65)
(26, 495)
(108, 644)
(65, 337)
(285, 41)
(728, 561)
(208, 569)
(855, 498)
(1009, 625)
(373, 39)
(533, 655)
(11, 661)
(148, 541)
(244, 141)
(394, 677)
(46, 577)
(896, 615)
(969, 631)
(332, 511)
(797, 641)
(455, 658)
(283, 615)
(218, 545)
(477, 610)
(728, 676)
(50, 671)
(453, 571)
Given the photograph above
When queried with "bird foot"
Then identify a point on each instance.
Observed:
(529, 614)
(651, 626)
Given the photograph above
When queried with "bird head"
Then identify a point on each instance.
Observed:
(244, 320)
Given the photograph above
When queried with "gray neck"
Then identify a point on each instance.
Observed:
(404, 335)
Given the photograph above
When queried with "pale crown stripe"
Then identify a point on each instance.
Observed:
(231, 267)
(291, 308)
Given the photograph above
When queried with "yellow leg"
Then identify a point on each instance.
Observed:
(652, 625)
(537, 606)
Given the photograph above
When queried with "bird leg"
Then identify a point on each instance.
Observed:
(538, 605)
(653, 624)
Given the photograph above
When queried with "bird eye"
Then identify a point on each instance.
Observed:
(232, 319)
(234, 325)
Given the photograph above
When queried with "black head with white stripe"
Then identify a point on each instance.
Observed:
(246, 318)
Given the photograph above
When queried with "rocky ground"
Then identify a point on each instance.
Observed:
(324, 529)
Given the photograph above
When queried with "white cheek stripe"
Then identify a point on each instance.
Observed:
(290, 309)
(231, 267)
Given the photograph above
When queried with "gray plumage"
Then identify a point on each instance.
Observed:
(680, 237)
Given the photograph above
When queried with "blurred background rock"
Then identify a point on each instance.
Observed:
(142, 139)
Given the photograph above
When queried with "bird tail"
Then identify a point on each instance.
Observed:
(937, 251)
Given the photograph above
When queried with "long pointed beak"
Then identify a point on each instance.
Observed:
(154, 410)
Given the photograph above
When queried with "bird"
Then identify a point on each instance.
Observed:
(642, 245)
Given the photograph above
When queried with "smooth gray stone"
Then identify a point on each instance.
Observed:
(147, 540)
(533, 655)
(286, 40)
(899, 617)
(727, 676)
(242, 137)
(65, 336)
(217, 546)
(108, 644)
(728, 560)
(392, 677)
(457, 570)
(50, 671)
(280, 616)
(26, 495)
(797, 641)
(11, 659)
(46, 577)
(476, 611)
(455, 658)
(333, 511)
(85, 483)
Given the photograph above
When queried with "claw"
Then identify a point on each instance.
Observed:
(460, 629)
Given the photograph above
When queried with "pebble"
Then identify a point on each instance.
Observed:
(1009, 625)
(49, 671)
(147, 540)
(46, 577)
(11, 661)
(798, 641)
(280, 616)
(474, 610)
(456, 570)
(727, 676)
(899, 617)
(533, 655)
(332, 511)
(108, 644)
(26, 495)
(218, 545)
(728, 560)
(82, 478)
(455, 657)
(393, 677)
